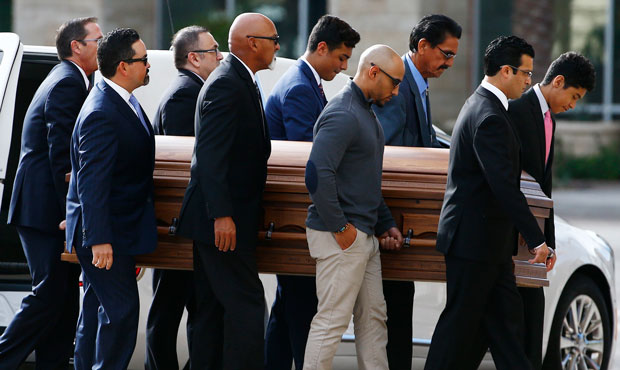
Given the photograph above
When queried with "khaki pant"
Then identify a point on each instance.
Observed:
(347, 282)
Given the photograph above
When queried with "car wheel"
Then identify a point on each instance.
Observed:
(580, 335)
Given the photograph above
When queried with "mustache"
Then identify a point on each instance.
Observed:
(445, 66)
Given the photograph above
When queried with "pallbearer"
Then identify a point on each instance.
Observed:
(343, 177)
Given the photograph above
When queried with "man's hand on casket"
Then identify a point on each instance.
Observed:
(102, 255)
(551, 260)
(540, 254)
(391, 239)
(225, 234)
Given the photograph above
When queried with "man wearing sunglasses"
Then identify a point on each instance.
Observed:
(196, 55)
(46, 321)
(343, 177)
(406, 121)
(110, 213)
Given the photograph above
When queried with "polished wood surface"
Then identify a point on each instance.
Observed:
(413, 187)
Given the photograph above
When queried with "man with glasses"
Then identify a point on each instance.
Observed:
(482, 214)
(196, 55)
(406, 121)
(47, 318)
(343, 177)
(221, 207)
(295, 103)
(110, 213)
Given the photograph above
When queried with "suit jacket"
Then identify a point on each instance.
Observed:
(229, 164)
(483, 205)
(175, 114)
(294, 104)
(40, 189)
(526, 115)
(110, 197)
(403, 119)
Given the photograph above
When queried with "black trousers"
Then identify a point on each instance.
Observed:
(399, 300)
(289, 323)
(173, 292)
(48, 316)
(228, 325)
(482, 300)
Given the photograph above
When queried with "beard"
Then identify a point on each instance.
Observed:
(146, 78)
(272, 65)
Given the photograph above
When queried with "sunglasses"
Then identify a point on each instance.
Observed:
(275, 39)
(214, 50)
(395, 81)
(144, 60)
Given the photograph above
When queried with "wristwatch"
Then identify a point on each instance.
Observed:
(343, 229)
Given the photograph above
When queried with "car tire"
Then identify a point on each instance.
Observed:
(573, 343)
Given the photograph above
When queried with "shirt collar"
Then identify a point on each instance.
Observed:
(125, 95)
(544, 107)
(314, 72)
(82, 73)
(246, 67)
(497, 92)
(417, 76)
(197, 75)
(360, 94)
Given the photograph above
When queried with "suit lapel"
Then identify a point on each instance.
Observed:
(415, 91)
(311, 81)
(539, 123)
(191, 75)
(75, 71)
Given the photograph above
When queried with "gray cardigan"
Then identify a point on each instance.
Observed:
(343, 174)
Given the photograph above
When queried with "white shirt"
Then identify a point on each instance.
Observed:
(314, 72)
(544, 107)
(125, 95)
(246, 67)
(86, 82)
(497, 92)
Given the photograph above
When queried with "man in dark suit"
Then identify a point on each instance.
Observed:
(406, 121)
(110, 213)
(221, 207)
(295, 103)
(483, 209)
(567, 80)
(196, 55)
(38, 204)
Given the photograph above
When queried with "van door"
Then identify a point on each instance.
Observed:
(11, 51)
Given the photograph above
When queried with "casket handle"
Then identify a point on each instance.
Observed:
(272, 226)
(173, 226)
(407, 242)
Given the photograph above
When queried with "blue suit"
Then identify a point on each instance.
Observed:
(403, 118)
(405, 123)
(292, 109)
(36, 209)
(110, 200)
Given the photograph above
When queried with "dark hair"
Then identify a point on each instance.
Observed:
(505, 50)
(184, 41)
(74, 29)
(577, 71)
(434, 29)
(115, 47)
(334, 31)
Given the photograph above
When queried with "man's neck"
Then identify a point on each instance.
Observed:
(415, 58)
(312, 59)
(360, 83)
(495, 81)
(546, 91)
(79, 64)
(122, 83)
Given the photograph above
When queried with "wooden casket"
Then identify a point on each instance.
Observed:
(413, 186)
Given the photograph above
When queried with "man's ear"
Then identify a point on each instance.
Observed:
(558, 82)
(423, 46)
(252, 43)
(75, 47)
(322, 48)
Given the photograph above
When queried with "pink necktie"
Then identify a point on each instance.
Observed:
(548, 134)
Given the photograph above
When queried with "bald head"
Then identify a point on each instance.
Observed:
(254, 51)
(379, 73)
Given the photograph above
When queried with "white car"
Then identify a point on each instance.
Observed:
(580, 321)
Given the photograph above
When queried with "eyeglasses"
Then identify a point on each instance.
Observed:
(447, 55)
(144, 60)
(395, 81)
(528, 73)
(87, 40)
(214, 50)
(275, 39)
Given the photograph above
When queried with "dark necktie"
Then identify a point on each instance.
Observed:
(322, 93)
(262, 110)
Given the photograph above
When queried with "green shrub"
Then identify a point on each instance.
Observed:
(605, 165)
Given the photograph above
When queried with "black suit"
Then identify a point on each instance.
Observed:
(483, 209)
(37, 207)
(175, 114)
(173, 290)
(526, 115)
(228, 173)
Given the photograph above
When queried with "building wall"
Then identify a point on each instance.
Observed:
(393, 27)
(36, 21)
